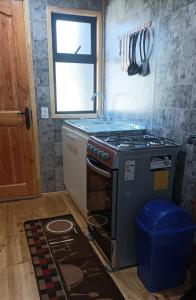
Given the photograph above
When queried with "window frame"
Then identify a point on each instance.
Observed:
(95, 57)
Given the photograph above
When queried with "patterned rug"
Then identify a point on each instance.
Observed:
(65, 264)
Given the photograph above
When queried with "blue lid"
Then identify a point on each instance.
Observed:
(162, 214)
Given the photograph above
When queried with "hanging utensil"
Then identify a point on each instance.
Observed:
(144, 69)
(140, 48)
(120, 46)
(133, 67)
(145, 63)
(149, 38)
(126, 52)
(129, 69)
(122, 52)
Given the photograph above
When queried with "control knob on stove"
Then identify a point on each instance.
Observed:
(100, 153)
(93, 149)
(89, 147)
(96, 151)
(104, 155)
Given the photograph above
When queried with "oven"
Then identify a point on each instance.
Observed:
(101, 204)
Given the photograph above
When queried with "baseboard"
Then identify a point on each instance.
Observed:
(55, 193)
(71, 199)
(77, 205)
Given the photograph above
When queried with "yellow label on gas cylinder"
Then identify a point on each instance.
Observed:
(161, 180)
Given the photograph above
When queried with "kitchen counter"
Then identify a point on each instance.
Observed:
(101, 125)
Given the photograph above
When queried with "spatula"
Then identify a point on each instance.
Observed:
(145, 66)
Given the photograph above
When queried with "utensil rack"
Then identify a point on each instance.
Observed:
(128, 48)
(135, 30)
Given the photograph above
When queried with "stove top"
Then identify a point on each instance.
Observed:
(124, 141)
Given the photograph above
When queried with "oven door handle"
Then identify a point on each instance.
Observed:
(97, 170)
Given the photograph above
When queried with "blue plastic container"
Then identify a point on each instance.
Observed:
(164, 235)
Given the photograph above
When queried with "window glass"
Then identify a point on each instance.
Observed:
(73, 37)
(74, 87)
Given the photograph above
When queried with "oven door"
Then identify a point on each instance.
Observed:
(101, 203)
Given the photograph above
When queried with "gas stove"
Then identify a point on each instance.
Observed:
(107, 148)
(125, 171)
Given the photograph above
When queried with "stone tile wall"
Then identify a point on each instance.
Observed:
(189, 183)
(166, 99)
(49, 129)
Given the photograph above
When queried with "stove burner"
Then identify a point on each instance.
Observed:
(59, 226)
(97, 220)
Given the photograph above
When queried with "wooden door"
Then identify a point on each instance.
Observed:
(17, 157)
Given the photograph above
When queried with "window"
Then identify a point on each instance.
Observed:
(75, 62)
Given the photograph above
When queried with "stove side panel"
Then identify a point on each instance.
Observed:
(134, 192)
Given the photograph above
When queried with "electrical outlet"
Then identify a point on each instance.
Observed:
(44, 112)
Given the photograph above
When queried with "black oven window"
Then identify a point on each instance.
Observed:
(74, 62)
(99, 200)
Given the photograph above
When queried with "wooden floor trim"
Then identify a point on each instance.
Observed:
(54, 193)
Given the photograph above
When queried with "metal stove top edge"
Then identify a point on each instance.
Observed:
(166, 143)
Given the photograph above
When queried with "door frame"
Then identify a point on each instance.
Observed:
(32, 95)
